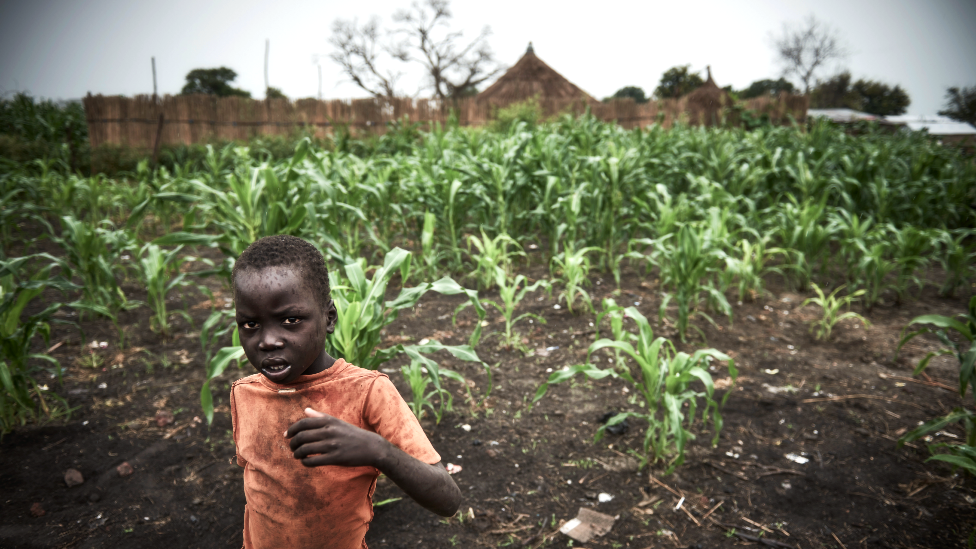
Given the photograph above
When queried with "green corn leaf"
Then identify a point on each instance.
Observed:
(217, 365)
(963, 462)
(189, 239)
(559, 376)
(940, 321)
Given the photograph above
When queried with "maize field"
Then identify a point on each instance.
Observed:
(572, 309)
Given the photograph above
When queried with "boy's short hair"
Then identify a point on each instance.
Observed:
(288, 251)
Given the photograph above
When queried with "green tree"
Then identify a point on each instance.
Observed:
(834, 93)
(677, 81)
(633, 92)
(960, 104)
(863, 95)
(274, 93)
(880, 98)
(212, 82)
(767, 87)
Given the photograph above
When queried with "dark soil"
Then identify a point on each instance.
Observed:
(524, 470)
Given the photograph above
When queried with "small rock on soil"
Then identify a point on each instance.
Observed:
(164, 418)
(124, 469)
(73, 477)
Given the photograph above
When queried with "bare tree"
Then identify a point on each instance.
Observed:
(422, 35)
(807, 47)
(453, 69)
(358, 51)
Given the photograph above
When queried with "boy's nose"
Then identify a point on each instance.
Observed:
(270, 344)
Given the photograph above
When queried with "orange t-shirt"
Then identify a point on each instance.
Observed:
(290, 505)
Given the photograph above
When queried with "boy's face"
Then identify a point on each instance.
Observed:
(281, 324)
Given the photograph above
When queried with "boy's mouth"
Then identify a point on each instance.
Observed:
(275, 369)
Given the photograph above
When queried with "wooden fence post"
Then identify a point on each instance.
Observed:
(159, 137)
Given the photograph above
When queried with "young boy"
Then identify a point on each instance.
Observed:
(314, 432)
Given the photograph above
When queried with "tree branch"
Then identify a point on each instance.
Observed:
(357, 52)
(804, 49)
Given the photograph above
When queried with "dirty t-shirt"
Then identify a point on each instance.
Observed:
(290, 505)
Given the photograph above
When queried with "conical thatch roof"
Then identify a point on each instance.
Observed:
(528, 78)
(706, 102)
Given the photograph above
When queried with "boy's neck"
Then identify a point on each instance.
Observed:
(321, 364)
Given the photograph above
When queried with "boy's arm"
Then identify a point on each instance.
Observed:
(321, 439)
(429, 485)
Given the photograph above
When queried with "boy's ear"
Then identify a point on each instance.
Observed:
(332, 316)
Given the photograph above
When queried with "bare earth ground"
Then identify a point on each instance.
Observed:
(524, 471)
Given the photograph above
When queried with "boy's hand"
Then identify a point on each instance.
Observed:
(321, 439)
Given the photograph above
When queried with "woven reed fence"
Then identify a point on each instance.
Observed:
(186, 119)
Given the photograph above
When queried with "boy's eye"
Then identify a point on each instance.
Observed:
(292, 320)
(250, 324)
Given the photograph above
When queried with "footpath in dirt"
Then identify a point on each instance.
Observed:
(807, 457)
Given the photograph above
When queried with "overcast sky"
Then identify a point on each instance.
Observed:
(65, 49)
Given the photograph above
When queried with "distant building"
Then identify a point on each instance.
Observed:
(531, 77)
(842, 116)
(948, 131)
(935, 125)
(707, 101)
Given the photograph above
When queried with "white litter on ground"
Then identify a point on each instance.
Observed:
(778, 390)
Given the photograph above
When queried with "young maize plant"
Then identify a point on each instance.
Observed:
(160, 271)
(452, 195)
(911, 248)
(566, 224)
(958, 259)
(497, 179)
(259, 203)
(491, 255)
(615, 315)
(511, 292)
(92, 253)
(801, 230)
(831, 306)
(747, 271)
(874, 268)
(663, 379)
(571, 268)
(962, 455)
(342, 191)
(22, 398)
(686, 263)
(855, 235)
(431, 254)
(615, 173)
(363, 311)
(423, 372)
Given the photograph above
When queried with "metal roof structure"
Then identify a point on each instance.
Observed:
(841, 115)
(936, 125)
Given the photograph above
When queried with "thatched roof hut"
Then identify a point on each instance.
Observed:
(706, 103)
(531, 77)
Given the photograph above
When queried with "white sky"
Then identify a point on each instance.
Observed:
(65, 49)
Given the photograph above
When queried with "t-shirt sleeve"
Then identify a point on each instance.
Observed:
(233, 419)
(385, 412)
